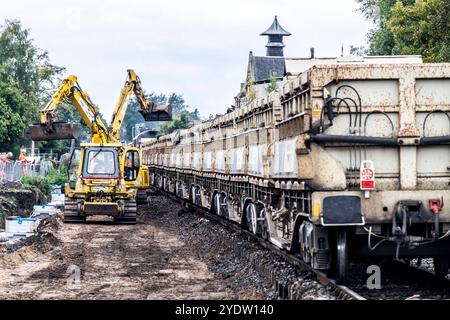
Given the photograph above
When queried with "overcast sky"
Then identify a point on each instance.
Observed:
(198, 48)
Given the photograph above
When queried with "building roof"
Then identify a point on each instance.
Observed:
(263, 68)
(275, 30)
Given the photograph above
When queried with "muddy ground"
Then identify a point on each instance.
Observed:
(18, 200)
(164, 256)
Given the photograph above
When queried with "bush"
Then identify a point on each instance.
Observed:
(45, 184)
(57, 176)
(39, 182)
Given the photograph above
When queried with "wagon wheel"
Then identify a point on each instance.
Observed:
(252, 219)
(194, 195)
(441, 265)
(217, 208)
(341, 255)
(264, 225)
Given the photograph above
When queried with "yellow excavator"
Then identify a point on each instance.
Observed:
(104, 174)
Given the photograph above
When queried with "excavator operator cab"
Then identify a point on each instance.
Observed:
(132, 165)
(73, 167)
(100, 163)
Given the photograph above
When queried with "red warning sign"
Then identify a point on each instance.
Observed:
(367, 175)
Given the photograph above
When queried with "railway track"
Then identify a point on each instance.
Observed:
(400, 280)
(341, 291)
(403, 281)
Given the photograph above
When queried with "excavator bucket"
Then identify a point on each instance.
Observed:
(55, 131)
(159, 113)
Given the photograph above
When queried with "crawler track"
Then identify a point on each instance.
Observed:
(400, 280)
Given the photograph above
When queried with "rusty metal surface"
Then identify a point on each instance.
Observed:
(55, 131)
(290, 150)
(158, 113)
(406, 93)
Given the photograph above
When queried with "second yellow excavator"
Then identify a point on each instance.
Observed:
(104, 174)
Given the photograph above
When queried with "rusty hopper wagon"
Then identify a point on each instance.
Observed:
(343, 160)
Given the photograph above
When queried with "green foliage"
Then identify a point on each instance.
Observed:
(57, 177)
(251, 92)
(26, 75)
(177, 102)
(27, 81)
(422, 28)
(28, 65)
(182, 118)
(67, 113)
(359, 51)
(133, 117)
(404, 27)
(14, 109)
(37, 181)
(380, 38)
(44, 184)
(272, 84)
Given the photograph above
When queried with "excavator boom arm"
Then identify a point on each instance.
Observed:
(69, 90)
(149, 111)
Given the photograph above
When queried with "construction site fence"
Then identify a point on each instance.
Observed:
(14, 171)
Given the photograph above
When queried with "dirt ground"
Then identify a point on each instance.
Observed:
(163, 256)
(143, 261)
(18, 200)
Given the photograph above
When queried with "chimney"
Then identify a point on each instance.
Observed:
(312, 53)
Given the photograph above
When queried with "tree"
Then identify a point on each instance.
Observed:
(177, 102)
(67, 113)
(409, 27)
(133, 117)
(380, 38)
(27, 64)
(15, 110)
(180, 121)
(182, 118)
(26, 77)
(422, 28)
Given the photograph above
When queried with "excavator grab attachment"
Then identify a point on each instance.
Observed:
(158, 113)
(53, 131)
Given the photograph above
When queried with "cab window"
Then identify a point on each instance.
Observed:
(100, 163)
(132, 165)
(74, 164)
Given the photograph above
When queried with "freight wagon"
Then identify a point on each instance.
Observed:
(343, 160)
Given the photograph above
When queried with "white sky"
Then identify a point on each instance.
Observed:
(198, 48)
